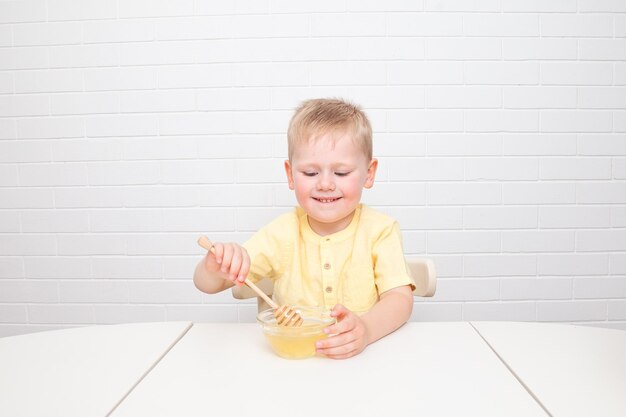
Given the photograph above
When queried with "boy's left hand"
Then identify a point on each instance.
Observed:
(349, 338)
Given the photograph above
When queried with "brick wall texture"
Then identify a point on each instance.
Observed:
(128, 128)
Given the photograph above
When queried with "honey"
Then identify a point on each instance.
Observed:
(292, 346)
(296, 342)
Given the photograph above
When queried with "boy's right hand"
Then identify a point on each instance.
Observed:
(231, 259)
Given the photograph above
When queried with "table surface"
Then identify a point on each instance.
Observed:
(431, 369)
(82, 371)
(572, 370)
(442, 369)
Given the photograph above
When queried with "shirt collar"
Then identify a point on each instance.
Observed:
(310, 235)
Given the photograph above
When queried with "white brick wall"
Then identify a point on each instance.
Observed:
(129, 128)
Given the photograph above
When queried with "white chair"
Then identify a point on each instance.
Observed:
(422, 271)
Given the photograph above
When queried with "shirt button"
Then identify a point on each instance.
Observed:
(326, 266)
(329, 289)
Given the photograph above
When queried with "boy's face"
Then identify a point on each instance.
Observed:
(328, 176)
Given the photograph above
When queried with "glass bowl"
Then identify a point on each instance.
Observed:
(295, 342)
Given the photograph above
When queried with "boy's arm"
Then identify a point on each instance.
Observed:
(210, 282)
(229, 265)
(352, 334)
(392, 311)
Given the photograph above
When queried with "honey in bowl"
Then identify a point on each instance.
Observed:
(296, 342)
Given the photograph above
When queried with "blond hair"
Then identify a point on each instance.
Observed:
(317, 117)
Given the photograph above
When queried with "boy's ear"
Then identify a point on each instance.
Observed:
(371, 173)
(289, 175)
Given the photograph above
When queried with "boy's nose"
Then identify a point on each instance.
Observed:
(325, 183)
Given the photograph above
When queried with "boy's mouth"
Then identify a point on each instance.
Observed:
(326, 199)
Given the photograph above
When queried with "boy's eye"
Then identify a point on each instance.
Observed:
(309, 174)
(341, 174)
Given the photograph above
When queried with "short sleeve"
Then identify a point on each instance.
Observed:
(269, 248)
(390, 268)
(262, 257)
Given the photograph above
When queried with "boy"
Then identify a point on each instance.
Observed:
(331, 251)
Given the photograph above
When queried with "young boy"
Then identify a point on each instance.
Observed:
(331, 251)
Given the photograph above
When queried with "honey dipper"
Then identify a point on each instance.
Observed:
(285, 315)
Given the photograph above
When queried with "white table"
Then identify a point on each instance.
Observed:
(572, 370)
(79, 372)
(423, 369)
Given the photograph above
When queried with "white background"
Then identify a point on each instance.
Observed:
(128, 128)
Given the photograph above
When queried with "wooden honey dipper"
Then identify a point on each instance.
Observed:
(285, 315)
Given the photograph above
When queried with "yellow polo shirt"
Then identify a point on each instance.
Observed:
(351, 267)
